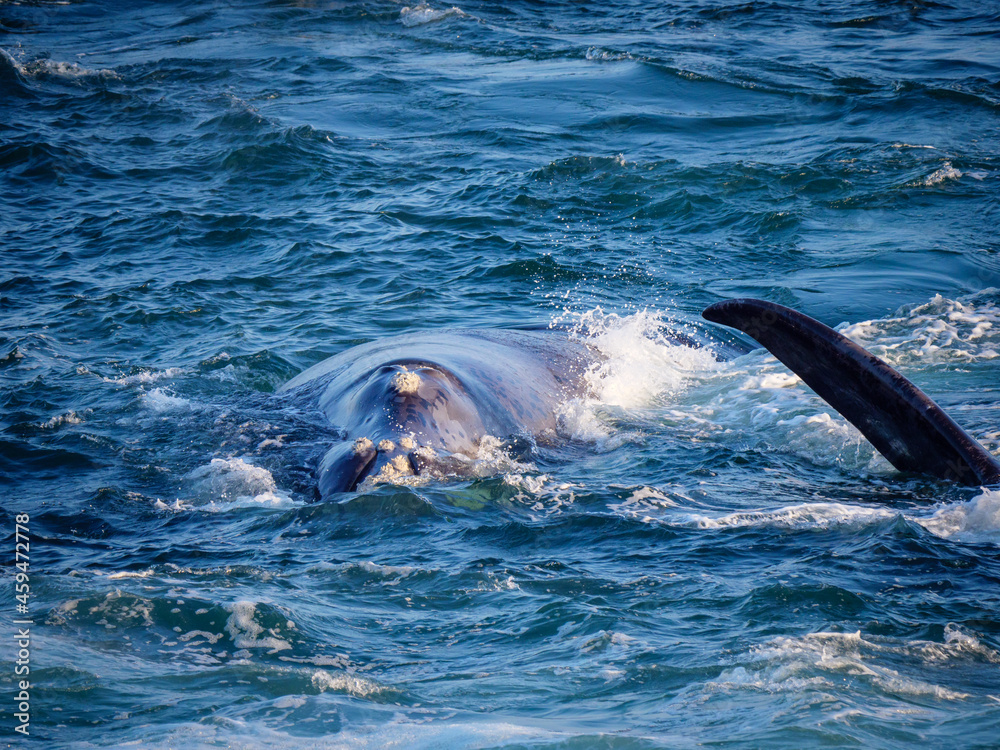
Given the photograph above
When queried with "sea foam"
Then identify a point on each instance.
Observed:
(422, 14)
(226, 483)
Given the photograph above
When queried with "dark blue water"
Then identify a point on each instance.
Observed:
(198, 200)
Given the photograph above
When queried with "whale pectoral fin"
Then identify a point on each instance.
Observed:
(345, 466)
(899, 419)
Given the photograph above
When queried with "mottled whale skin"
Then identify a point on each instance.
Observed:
(408, 403)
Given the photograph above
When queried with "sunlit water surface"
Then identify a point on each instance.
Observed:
(201, 199)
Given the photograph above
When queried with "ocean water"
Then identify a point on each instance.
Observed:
(201, 199)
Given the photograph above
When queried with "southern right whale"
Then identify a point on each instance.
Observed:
(422, 403)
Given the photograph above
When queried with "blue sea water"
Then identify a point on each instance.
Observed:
(201, 199)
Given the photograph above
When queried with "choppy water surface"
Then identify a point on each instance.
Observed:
(199, 200)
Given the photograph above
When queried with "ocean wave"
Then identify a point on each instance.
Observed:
(580, 166)
(228, 483)
(605, 55)
(44, 68)
(159, 401)
(18, 457)
(60, 420)
(802, 516)
(946, 172)
(343, 682)
(433, 729)
(388, 501)
(11, 75)
(973, 521)
(825, 661)
(422, 14)
(247, 633)
(145, 376)
(977, 520)
(939, 331)
(38, 161)
(276, 156)
(368, 570)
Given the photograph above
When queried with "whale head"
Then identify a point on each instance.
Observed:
(408, 414)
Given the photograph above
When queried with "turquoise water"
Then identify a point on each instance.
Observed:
(200, 200)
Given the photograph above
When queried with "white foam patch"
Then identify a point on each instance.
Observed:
(977, 520)
(404, 730)
(147, 573)
(651, 495)
(70, 417)
(826, 660)
(774, 680)
(146, 376)
(247, 633)
(424, 14)
(159, 401)
(958, 645)
(120, 608)
(369, 567)
(343, 682)
(597, 53)
(233, 482)
(641, 365)
(494, 582)
(755, 403)
(804, 515)
(383, 570)
(540, 496)
(942, 330)
(639, 368)
(647, 504)
(204, 635)
(290, 701)
(492, 459)
(533, 484)
(606, 640)
(338, 661)
(278, 441)
(177, 506)
(946, 172)
(54, 68)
